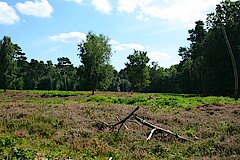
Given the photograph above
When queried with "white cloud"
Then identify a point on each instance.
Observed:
(158, 56)
(37, 8)
(113, 42)
(130, 6)
(184, 11)
(76, 1)
(127, 5)
(8, 15)
(102, 5)
(72, 37)
(127, 46)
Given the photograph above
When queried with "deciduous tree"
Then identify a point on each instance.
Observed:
(95, 53)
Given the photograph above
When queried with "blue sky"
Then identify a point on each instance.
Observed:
(49, 29)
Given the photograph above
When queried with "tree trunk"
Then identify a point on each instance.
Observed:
(65, 83)
(203, 84)
(65, 80)
(51, 83)
(93, 92)
(234, 66)
(4, 83)
(14, 84)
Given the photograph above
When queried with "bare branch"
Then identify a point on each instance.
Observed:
(125, 118)
(135, 119)
(122, 121)
(159, 129)
(151, 133)
(123, 124)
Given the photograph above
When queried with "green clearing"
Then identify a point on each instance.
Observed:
(59, 124)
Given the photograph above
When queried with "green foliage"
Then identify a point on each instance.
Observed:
(209, 66)
(206, 66)
(163, 100)
(7, 141)
(138, 71)
(67, 73)
(63, 124)
(227, 19)
(8, 149)
(54, 93)
(226, 13)
(95, 55)
(8, 51)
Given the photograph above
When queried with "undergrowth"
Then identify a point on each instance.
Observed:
(163, 100)
(37, 125)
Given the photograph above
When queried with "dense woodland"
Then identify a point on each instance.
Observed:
(209, 66)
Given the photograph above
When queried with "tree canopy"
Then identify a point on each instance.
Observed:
(8, 51)
(210, 65)
(95, 55)
(138, 71)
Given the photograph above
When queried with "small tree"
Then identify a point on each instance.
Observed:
(95, 55)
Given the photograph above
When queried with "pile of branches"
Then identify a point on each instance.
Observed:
(135, 118)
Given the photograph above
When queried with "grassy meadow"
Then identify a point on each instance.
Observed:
(67, 125)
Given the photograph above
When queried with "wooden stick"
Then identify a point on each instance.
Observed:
(122, 121)
(151, 133)
(159, 129)
(125, 118)
(123, 124)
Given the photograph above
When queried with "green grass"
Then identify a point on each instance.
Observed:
(157, 101)
(53, 93)
(163, 100)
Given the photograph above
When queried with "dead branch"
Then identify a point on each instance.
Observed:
(98, 120)
(123, 124)
(125, 118)
(122, 121)
(151, 133)
(135, 119)
(159, 129)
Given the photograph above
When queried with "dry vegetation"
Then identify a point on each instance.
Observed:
(66, 126)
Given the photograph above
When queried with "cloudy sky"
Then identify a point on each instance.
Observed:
(48, 29)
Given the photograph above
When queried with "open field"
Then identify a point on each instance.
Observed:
(65, 125)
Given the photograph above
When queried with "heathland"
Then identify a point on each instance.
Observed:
(70, 125)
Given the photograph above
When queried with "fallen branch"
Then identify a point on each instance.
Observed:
(123, 124)
(151, 133)
(140, 121)
(125, 118)
(156, 128)
(122, 121)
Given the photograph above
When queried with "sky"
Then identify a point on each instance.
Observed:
(49, 29)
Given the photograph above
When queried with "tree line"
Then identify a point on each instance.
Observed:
(210, 65)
